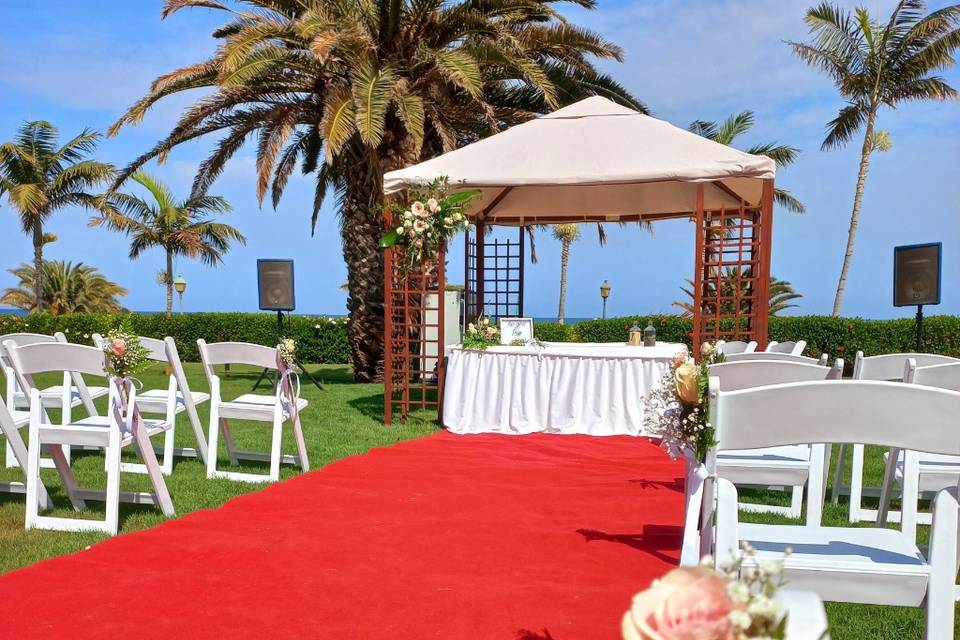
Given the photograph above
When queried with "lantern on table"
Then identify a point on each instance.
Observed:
(649, 336)
(636, 336)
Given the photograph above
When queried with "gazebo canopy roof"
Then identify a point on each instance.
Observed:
(593, 161)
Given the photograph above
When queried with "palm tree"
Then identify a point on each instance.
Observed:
(735, 126)
(781, 294)
(67, 288)
(39, 178)
(179, 227)
(567, 234)
(351, 89)
(875, 65)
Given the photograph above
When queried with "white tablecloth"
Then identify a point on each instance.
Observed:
(592, 388)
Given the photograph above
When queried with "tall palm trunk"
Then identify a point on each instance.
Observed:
(169, 283)
(855, 214)
(361, 230)
(564, 261)
(38, 266)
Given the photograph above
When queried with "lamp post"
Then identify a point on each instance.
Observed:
(605, 293)
(180, 285)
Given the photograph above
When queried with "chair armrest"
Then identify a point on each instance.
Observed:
(727, 545)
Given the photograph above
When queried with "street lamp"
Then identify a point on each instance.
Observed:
(180, 285)
(605, 293)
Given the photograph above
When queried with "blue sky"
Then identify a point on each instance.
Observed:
(81, 64)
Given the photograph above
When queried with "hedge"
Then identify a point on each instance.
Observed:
(323, 339)
(319, 339)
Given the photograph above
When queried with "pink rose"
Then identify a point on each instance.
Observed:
(679, 359)
(689, 603)
(119, 347)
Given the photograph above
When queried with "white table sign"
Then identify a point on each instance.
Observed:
(513, 329)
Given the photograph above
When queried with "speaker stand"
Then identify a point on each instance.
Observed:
(265, 372)
(919, 328)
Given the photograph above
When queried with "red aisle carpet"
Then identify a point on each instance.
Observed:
(508, 537)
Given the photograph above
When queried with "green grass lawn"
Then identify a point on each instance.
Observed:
(345, 419)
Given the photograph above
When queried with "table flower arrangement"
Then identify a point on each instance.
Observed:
(124, 353)
(428, 223)
(677, 409)
(702, 603)
(481, 334)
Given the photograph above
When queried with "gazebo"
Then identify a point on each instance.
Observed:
(592, 161)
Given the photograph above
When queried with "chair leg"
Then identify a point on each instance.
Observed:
(62, 464)
(856, 483)
(301, 444)
(18, 449)
(889, 472)
(228, 441)
(819, 459)
(198, 432)
(31, 513)
(212, 443)
(149, 458)
(112, 494)
(275, 446)
(168, 437)
(838, 474)
(796, 502)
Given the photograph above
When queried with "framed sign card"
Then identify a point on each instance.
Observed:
(516, 331)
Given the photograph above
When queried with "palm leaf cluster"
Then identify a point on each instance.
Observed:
(67, 288)
(350, 89)
(782, 294)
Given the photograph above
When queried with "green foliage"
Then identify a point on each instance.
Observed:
(319, 339)
(66, 288)
(553, 332)
(669, 328)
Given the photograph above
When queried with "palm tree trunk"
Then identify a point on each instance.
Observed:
(38, 266)
(564, 261)
(169, 283)
(361, 231)
(855, 214)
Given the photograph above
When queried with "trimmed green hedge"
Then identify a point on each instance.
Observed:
(319, 339)
(322, 339)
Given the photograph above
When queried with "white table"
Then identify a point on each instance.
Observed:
(590, 388)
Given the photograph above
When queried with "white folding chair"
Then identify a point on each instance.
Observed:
(887, 367)
(285, 404)
(737, 346)
(121, 427)
(848, 564)
(53, 397)
(169, 402)
(789, 347)
(788, 466)
(10, 424)
(773, 355)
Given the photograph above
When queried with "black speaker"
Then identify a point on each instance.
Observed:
(916, 274)
(275, 285)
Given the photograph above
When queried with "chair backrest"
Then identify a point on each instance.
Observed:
(20, 340)
(773, 355)
(216, 353)
(156, 349)
(891, 366)
(44, 357)
(737, 346)
(942, 376)
(746, 374)
(790, 347)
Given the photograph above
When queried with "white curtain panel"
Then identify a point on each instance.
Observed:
(595, 389)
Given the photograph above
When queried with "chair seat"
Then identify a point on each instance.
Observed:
(863, 565)
(786, 465)
(255, 406)
(51, 396)
(20, 418)
(937, 471)
(155, 400)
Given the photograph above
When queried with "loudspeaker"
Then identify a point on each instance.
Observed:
(275, 285)
(916, 274)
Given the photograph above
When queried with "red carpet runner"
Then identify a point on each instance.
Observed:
(508, 537)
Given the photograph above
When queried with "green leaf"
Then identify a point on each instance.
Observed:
(461, 198)
(389, 239)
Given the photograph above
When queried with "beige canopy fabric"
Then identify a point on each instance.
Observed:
(593, 160)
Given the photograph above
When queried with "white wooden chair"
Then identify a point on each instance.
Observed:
(175, 399)
(823, 360)
(737, 346)
(848, 564)
(53, 397)
(788, 466)
(285, 404)
(794, 348)
(121, 427)
(887, 367)
(10, 424)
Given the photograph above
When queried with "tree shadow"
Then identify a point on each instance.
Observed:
(370, 406)
(677, 484)
(655, 539)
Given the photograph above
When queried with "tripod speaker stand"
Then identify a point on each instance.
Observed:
(265, 372)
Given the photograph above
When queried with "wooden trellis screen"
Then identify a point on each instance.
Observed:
(414, 355)
(732, 275)
(493, 272)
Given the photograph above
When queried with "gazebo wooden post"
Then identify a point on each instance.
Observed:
(698, 273)
(521, 269)
(388, 320)
(441, 323)
(761, 302)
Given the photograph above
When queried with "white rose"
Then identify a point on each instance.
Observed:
(417, 208)
(407, 215)
(400, 229)
(740, 619)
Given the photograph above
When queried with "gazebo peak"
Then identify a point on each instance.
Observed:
(592, 106)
